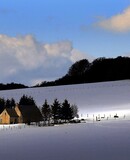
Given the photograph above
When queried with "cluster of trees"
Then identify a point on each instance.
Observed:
(27, 100)
(100, 70)
(59, 111)
(56, 112)
(10, 103)
(12, 85)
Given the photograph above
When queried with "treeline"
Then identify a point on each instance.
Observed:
(59, 112)
(12, 85)
(55, 113)
(100, 70)
(10, 103)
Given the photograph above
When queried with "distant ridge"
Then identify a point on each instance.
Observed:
(100, 70)
(12, 85)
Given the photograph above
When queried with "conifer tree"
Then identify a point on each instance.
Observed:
(2, 104)
(74, 109)
(46, 112)
(56, 111)
(66, 111)
(25, 100)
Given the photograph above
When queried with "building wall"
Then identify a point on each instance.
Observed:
(5, 118)
(20, 119)
(13, 120)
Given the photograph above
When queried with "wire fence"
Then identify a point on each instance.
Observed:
(12, 126)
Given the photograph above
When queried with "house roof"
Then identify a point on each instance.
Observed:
(30, 112)
(11, 112)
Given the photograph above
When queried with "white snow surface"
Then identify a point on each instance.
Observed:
(107, 140)
(92, 99)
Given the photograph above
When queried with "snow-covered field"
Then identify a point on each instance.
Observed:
(92, 99)
(12, 126)
(107, 140)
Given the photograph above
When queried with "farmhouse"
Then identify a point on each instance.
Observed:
(20, 114)
(8, 116)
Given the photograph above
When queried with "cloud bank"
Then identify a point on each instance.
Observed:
(118, 23)
(23, 59)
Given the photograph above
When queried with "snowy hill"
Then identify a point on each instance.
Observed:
(94, 98)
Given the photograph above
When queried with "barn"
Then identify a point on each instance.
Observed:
(20, 114)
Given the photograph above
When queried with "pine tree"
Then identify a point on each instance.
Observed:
(56, 111)
(46, 112)
(74, 109)
(66, 111)
(12, 103)
(7, 103)
(2, 104)
(25, 100)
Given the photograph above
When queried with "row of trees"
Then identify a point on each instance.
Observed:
(59, 111)
(101, 69)
(10, 103)
(12, 85)
(56, 112)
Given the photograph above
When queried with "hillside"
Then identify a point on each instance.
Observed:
(100, 70)
(92, 98)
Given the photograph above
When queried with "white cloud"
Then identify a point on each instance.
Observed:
(78, 55)
(59, 49)
(24, 58)
(24, 50)
(118, 23)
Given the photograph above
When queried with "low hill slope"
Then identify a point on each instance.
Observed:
(91, 98)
